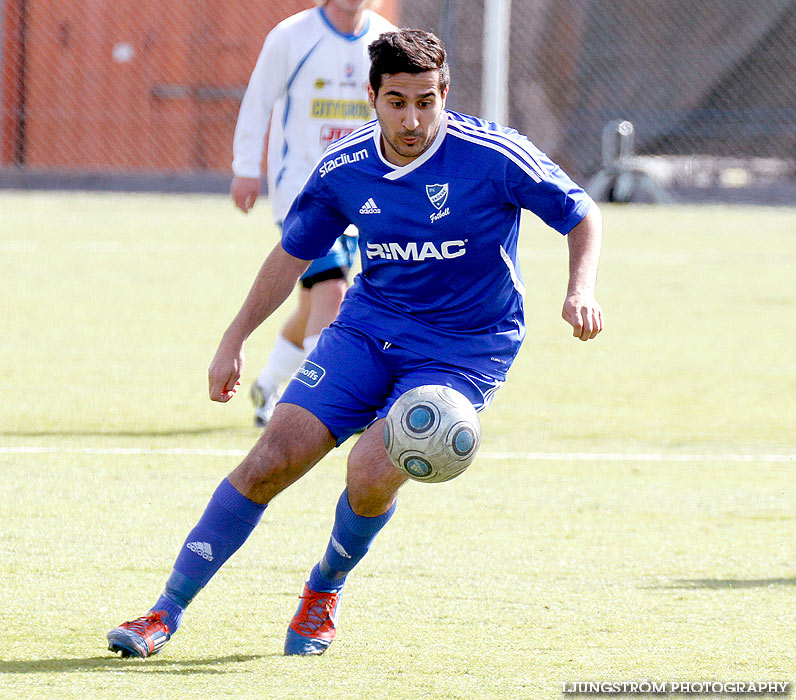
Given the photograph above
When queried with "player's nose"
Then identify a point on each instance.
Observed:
(410, 120)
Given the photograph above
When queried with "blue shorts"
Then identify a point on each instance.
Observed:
(341, 255)
(349, 380)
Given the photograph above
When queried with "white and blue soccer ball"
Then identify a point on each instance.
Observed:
(432, 433)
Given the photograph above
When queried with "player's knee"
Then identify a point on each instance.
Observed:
(372, 487)
(371, 501)
(266, 470)
(291, 444)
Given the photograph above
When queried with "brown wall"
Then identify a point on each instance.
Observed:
(171, 106)
(10, 77)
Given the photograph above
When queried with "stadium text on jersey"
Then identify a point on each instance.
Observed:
(342, 159)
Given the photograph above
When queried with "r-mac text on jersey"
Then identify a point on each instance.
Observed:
(343, 159)
(416, 251)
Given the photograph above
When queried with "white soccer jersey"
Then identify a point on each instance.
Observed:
(311, 81)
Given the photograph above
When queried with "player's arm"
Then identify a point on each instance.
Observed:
(546, 190)
(581, 309)
(271, 287)
(267, 82)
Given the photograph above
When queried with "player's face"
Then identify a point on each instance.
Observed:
(409, 108)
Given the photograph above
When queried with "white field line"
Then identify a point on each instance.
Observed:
(522, 456)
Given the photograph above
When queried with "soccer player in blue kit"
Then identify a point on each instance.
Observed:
(437, 198)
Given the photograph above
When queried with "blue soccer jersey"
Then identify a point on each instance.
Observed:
(437, 237)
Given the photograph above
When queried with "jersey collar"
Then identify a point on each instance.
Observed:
(398, 171)
(347, 37)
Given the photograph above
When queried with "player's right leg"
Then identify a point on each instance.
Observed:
(293, 443)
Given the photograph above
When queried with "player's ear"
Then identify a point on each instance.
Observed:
(444, 96)
(371, 96)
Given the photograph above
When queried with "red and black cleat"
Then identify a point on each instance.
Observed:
(141, 637)
(313, 627)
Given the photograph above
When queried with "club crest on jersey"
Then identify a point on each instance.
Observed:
(437, 195)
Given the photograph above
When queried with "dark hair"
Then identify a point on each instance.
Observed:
(407, 51)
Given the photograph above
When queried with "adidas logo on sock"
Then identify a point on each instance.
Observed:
(203, 549)
(339, 548)
(370, 207)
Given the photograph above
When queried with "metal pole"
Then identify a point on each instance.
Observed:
(22, 87)
(495, 74)
(447, 24)
(2, 82)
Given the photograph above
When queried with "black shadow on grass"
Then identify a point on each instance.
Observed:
(718, 584)
(114, 664)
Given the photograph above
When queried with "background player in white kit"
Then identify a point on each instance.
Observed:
(310, 84)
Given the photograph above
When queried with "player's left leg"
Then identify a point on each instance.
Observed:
(343, 382)
(369, 499)
(364, 508)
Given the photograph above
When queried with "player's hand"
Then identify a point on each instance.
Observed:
(244, 191)
(225, 370)
(583, 313)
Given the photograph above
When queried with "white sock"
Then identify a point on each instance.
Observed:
(284, 360)
(310, 342)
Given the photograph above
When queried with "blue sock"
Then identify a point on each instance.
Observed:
(173, 611)
(225, 525)
(351, 538)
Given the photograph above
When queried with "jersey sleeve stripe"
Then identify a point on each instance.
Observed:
(500, 148)
(515, 145)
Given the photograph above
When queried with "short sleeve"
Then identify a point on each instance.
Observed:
(536, 183)
(313, 222)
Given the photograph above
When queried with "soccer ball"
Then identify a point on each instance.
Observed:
(432, 433)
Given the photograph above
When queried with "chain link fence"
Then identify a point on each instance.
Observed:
(638, 99)
(115, 87)
(644, 99)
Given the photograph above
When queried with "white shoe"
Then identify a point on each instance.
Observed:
(264, 401)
